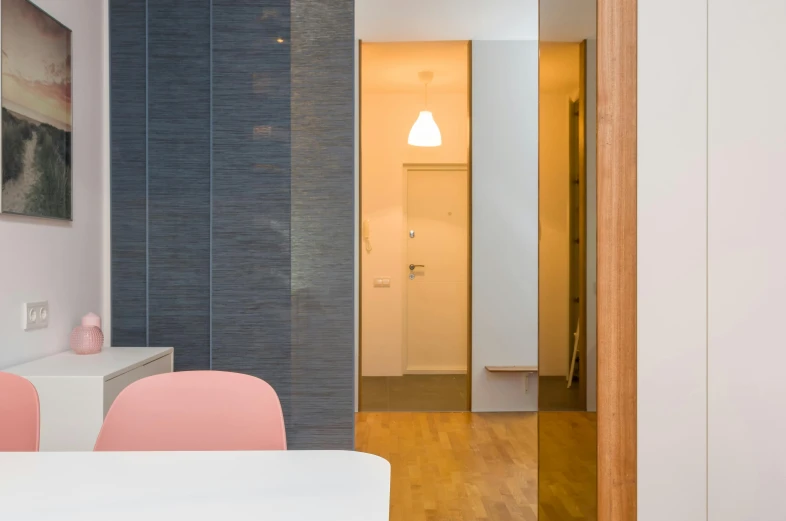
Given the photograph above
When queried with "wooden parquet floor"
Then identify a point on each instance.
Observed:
(568, 476)
(456, 466)
(484, 466)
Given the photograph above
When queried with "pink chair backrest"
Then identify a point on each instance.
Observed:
(19, 414)
(194, 410)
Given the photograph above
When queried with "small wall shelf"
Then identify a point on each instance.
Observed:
(526, 369)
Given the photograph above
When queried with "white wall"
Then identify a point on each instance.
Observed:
(672, 263)
(444, 20)
(55, 261)
(747, 260)
(387, 119)
(504, 222)
(567, 20)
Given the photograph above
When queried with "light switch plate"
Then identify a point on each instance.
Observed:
(382, 282)
(35, 315)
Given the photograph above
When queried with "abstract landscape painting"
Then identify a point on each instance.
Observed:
(36, 105)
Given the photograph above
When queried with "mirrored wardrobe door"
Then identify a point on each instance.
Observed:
(447, 250)
(567, 428)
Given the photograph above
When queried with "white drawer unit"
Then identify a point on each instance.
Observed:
(76, 391)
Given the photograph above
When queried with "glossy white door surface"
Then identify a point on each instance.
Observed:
(437, 289)
(747, 260)
(672, 260)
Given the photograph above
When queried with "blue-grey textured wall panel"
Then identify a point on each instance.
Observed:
(323, 223)
(128, 159)
(179, 179)
(251, 199)
(233, 195)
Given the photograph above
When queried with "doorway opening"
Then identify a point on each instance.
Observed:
(415, 227)
(564, 331)
(567, 423)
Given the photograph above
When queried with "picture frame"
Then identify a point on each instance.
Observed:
(37, 113)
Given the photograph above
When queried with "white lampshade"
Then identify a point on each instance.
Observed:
(425, 132)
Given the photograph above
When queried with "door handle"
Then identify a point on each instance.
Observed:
(413, 266)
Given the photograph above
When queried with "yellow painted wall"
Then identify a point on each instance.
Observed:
(559, 83)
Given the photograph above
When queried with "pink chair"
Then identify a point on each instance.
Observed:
(19, 414)
(194, 410)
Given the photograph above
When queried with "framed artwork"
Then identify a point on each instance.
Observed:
(37, 115)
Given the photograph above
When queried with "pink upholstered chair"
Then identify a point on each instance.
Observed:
(19, 414)
(194, 410)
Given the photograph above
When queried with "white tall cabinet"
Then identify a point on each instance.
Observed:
(672, 260)
(746, 265)
(711, 260)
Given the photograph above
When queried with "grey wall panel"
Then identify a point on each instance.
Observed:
(323, 223)
(251, 192)
(238, 211)
(128, 160)
(179, 179)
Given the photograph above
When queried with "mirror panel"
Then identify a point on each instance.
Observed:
(567, 428)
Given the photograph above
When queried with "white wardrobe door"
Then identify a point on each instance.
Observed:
(672, 260)
(747, 260)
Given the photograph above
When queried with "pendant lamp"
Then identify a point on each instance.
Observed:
(425, 132)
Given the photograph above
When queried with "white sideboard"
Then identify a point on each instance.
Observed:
(76, 391)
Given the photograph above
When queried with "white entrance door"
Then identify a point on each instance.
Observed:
(437, 233)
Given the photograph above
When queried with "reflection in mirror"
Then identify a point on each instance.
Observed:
(448, 254)
(567, 429)
(415, 205)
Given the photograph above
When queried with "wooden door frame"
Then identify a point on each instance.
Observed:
(616, 269)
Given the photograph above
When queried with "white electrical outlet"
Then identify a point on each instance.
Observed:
(36, 315)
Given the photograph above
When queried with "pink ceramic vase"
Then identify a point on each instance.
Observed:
(87, 338)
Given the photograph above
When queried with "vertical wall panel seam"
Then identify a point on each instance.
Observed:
(707, 267)
(108, 119)
(210, 218)
(147, 177)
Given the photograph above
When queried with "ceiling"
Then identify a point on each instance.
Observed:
(431, 35)
(437, 20)
(445, 20)
(395, 66)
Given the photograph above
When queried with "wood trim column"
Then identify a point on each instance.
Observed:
(616, 171)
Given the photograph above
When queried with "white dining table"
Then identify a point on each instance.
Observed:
(175, 486)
